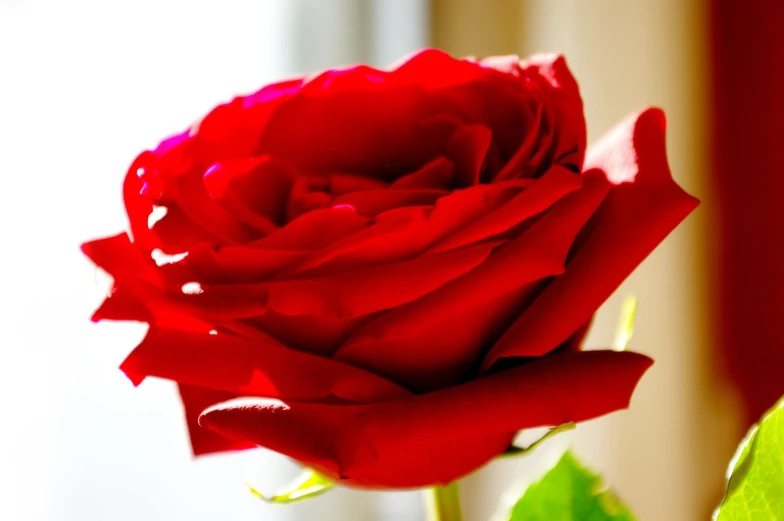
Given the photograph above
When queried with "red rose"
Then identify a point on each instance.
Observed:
(387, 274)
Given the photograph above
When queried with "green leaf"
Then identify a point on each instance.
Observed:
(625, 327)
(755, 478)
(568, 492)
(307, 485)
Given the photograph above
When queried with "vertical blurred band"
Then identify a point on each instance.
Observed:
(747, 55)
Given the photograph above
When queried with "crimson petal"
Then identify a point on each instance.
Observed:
(137, 292)
(370, 203)
(315, 230)
(262, 367)
(536, 198)
(405, 233)
(194, 400)
(561, 93)
(438, 173)
(344, 295)
(438, 437)
(643, 206)
(467, 148)
(253, 190)
(438, 339)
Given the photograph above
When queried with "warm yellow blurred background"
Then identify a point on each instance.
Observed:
(666, 455)
(85, 85)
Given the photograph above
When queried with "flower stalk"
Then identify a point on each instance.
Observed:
(443, 503)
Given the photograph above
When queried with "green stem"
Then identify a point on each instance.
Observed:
(443, 503)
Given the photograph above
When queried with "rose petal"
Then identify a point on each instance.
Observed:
(550, 391)
(194, 401)
(575, 342)
(540, 195)
(443, 352)
(436, 69)
(211, 264)
(432, 68)
(262, 367)
(120, 258)
(643, 206)
(377, 119)
(362, 292)
(439, 339)
(560, 135)
(315, 334)
(137, 293)
(140, 201)
(229, 131)
(153, 224)
(315, 230)
(233, 130)
(521, 164)
(438, 173)
(253, 190)
(370, 203)
(305, 197)
(377, 111)
(405, 233)
(189, 194)
(438, 437)
(467, 148)
(562, 95)
(345, 295)
(499, 102)
(305, 431)
(340, 184)
(185, 197)
(121, 304)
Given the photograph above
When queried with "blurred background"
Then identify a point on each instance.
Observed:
(85, 86)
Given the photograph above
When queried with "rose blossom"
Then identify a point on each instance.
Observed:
(387, 274)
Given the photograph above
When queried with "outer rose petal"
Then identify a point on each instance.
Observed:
(262, 367)
(170, 179)
(438, 437)
(118, 257)
(175, 167)
(439, 339)
(344, 295)
(644, 205)
(194, 401)
(233, 130)
(438, 70)
(136, 293)
(229, 265)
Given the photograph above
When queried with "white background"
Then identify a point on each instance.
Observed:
(84, 87)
